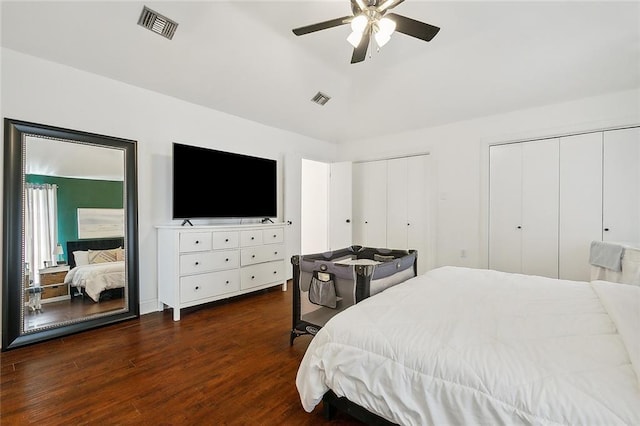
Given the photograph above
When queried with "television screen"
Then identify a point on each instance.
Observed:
(215, 184)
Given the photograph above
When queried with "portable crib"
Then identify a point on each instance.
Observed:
(355, 273)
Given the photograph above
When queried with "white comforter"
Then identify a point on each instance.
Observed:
(460, 346)
(97, 277)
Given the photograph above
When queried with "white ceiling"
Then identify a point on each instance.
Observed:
(241, 57)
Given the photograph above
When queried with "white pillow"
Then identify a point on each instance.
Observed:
(81, 257)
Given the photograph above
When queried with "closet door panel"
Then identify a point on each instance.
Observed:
(418, 187)
(540, 207)
(505, 207)
(397, 202)
(340, 205)
(370, 203)
(621, 203)
(580, 203)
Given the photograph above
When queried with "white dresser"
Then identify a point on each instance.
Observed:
(201, 264)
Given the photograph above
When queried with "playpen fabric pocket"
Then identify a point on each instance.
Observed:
(322, 290)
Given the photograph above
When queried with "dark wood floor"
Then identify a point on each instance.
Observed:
(226, 364)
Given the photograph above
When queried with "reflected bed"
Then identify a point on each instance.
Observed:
(97, 267)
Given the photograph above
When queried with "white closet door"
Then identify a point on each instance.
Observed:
(621, 210)
(540, 207)
(505, 207)
(418, 210)
(397, 202)
(340, 205)
(580, 203)
(370, 203)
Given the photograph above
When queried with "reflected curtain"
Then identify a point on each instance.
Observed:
(41, 229)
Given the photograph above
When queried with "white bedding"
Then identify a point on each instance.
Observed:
(96, 277)
(461, 346)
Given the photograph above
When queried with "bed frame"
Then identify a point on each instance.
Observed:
(331, 403)
(94, 244)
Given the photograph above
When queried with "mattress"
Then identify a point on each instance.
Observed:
(470, 346)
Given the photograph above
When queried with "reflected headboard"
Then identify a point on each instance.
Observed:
(96, 244)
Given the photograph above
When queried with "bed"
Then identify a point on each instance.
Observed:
(97, 267)
(470, 346)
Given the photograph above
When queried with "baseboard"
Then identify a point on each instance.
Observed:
(148, 306)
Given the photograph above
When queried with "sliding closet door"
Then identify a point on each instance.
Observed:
(580, 203)
(418, 210)
(621, 204)
(505, 207)
(340, 205)
(540, 207)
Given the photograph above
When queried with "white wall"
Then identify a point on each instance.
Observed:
(460, 151)
(48, 93)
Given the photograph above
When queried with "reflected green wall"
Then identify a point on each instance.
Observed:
(80, 193)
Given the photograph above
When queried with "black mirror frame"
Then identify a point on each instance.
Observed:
(13, 221)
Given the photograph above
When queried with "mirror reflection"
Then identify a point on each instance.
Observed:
(74, 232)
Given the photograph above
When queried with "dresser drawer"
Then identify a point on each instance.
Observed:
(195, 263)
(223, 240)
(262, 273)
(195, 241)
(270, 236)
(202, 286)
(251, 237)
(260, 254)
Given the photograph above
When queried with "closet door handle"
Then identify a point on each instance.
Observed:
(606, 229)
(519, 227)
(348, 221)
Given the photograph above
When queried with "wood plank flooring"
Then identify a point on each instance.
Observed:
(228, 363)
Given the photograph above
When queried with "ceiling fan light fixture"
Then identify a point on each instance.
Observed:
(386, 26)
(354, 38)
(359, 23)
(382, 38)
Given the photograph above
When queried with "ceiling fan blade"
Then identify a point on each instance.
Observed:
(388, 4)
(322, 25)
(413, 28)
(360, 52)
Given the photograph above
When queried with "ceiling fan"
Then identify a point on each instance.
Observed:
(371, 20)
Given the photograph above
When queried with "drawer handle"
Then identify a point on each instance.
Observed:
(197, 287)
(227, 282)
(227, 259)
(253, 256)
(274, 235)
(226, 240)
(197, 263)
(253, 276)
(275, 252)
(197, 242)
(252, 238)
(275, 272)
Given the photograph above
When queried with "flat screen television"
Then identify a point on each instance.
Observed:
(209, 184)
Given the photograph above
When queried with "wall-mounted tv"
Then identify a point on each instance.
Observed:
(210, 184)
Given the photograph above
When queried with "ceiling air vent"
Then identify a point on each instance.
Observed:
(320, 98)
(157, 23)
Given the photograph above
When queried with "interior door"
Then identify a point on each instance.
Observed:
(621, 203)
(505, 207)
(580, 219)
(340, 204)
(370, 203)
(292, 207)
(397, 202)
(540, 207)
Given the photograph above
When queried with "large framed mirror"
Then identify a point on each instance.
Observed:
(70, 246)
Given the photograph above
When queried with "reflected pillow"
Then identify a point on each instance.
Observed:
(103, 256)
(81, 258)
(119, 254)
